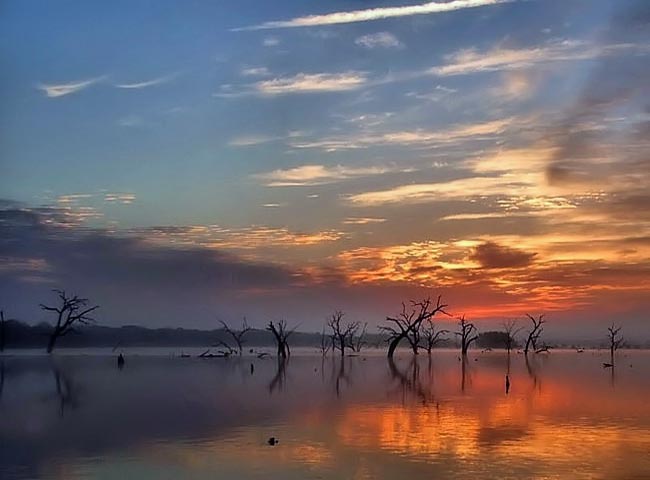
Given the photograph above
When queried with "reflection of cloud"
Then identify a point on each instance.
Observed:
(62, 89)
(374, 14)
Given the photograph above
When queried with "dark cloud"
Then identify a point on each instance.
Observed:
(492, 255)
(41, 250)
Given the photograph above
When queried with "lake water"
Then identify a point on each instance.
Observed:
(565, 417)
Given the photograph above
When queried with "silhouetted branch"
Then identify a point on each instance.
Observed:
(72, 311)
(341, 334)
(408, 323)
(534, 333)
(467, 334)
(236, 335)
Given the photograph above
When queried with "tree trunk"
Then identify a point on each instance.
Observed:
(394, 343)
(52, 341)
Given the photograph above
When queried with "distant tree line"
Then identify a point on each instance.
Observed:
(414, 326)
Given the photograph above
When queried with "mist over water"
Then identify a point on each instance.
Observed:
(78, 416)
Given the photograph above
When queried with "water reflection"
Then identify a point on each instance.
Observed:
(362, 417)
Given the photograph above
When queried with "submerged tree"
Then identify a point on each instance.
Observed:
(358, 340)
(534, 333)
(615, 340)
(431, 337)
(236, 335)
(2, 331)
(71, 312)
(408, 323)
(341, 334)
(281, 335)
(325, 343)
(511, 330)
(467, 334)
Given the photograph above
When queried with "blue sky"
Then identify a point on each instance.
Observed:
(356, 144)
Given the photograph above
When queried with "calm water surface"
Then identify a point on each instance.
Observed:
(78, 416)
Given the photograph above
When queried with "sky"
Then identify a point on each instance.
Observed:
(183, 162)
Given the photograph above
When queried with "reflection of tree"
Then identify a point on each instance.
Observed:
(65, 390)
(410, 381)
(279, 380)
(532, 368)
(341, 376)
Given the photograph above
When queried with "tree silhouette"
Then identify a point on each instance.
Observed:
(236, 335)
(511, 330)
(325, 343)
(407, 324)
(71, 312)
(467, 334)
(341, 334)
(358, 341)
(281, 335)
(431, 337)
(534, 333)
(615, 340)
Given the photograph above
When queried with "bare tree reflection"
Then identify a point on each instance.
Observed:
(532, 369)
(410, 381)
(341, 376)
(279, 380)
(65, 390)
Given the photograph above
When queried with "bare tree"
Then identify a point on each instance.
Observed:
(325, 343)
(2, 331)
(407, 324)
(511, 330)
(615, 340)
(236, 335)
(358, 341)
(534, 333)
(281, 335)
(467, 334)
(431, 336)
(71, 312)
(341, 334)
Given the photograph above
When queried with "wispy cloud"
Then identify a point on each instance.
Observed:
(309, 175)
(469, 61)
(62, 89)
(456, 133)
(255, 72)
(362, 220)
(271, 42)
(147, 83)
(312, 82)
(379, 40)
(370, 14)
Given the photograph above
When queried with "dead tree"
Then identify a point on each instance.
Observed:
(407, 324)
(431, 337)
(467, 334)
(236, 335)
(2, 331)
(511, 330)
(357, 342)
(615, 340)
(534, 333)
(325, 343)
(71, 312)
(281, 335)
(341, 334)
